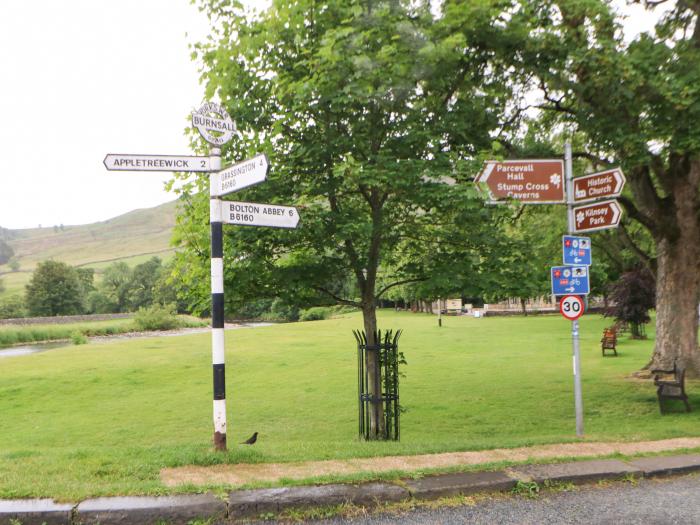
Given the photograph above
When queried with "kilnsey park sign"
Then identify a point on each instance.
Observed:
(217, 128)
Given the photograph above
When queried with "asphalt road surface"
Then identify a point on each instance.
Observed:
(648, 502)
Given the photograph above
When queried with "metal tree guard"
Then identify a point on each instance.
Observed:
(389, 360)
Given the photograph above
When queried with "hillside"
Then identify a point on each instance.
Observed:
(132, 237)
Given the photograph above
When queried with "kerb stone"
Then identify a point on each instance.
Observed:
(434, 487)
(29, 511)
(172, 509)
(261, 501)
(667, 465)
(575, 472)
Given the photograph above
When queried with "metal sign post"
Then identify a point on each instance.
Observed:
(578, 397)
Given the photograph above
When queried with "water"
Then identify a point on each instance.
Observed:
(42, 347)
(32, 349)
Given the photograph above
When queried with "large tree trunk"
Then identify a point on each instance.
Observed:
(374, 373)
(678, 286)
(677, 292)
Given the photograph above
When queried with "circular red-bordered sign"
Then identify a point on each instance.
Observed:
(571, 307)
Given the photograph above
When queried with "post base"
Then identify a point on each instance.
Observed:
(220, 441)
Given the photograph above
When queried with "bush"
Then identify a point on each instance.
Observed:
(12, 307)
(281, 311)
(78, 338)
(317, 313)
(157, 317)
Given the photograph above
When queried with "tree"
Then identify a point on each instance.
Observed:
(633, 296)
(115, 287)
(636, 105)
(12, 307)
(144, 278)
(364, 109)
(54, 289)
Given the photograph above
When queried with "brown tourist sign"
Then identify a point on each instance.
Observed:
(533, 181)
(598, 216)
(601, 185)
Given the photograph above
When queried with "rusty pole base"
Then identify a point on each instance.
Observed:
(220, 441)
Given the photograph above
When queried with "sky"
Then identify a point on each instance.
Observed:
(84, 78)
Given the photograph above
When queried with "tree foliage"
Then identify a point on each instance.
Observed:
(637, 105)
(632, 297)
(54, 289)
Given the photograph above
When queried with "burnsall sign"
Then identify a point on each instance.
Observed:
(532, 181)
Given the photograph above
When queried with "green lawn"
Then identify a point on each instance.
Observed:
(105, 418)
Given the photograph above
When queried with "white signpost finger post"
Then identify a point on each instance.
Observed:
(216, 127)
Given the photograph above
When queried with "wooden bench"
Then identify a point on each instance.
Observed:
(609, 340)
(670, 384)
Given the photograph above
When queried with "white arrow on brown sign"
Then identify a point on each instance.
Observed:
(598, 216)
(601, 185)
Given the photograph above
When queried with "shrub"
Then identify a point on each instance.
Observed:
(317, 313)
(78, 338)
(281, 311)
(157, 317)
(12, 307)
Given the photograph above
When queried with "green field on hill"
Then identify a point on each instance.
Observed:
(133, 238)
(104, 418)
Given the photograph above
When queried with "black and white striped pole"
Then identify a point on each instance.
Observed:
(216, 126)
(217, 304)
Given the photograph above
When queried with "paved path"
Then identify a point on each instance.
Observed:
(649, 502)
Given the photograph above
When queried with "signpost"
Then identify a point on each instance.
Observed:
(241, 175)
(601, 185)
(130, 162)
(576, 250)
(571, 307)
(254, 214)
(542, 182)
(528, 181)
(598, 216)
(217, 128)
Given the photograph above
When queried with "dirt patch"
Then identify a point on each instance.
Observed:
(242, 473)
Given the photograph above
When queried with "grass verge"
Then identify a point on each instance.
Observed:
(94, 420)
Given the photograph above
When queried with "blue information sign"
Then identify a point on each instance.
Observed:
(577, 250)
(567, 280)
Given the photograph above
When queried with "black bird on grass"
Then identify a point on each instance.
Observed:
(252, 439)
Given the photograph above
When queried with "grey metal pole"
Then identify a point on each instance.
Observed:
(578, 397)
(217, 302)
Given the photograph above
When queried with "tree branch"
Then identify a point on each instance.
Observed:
(647, 260)
(637, 215)
(399, 283)
(337, 298)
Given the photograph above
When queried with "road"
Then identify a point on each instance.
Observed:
(648, 502)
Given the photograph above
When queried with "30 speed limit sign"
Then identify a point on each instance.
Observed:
(571, 307)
